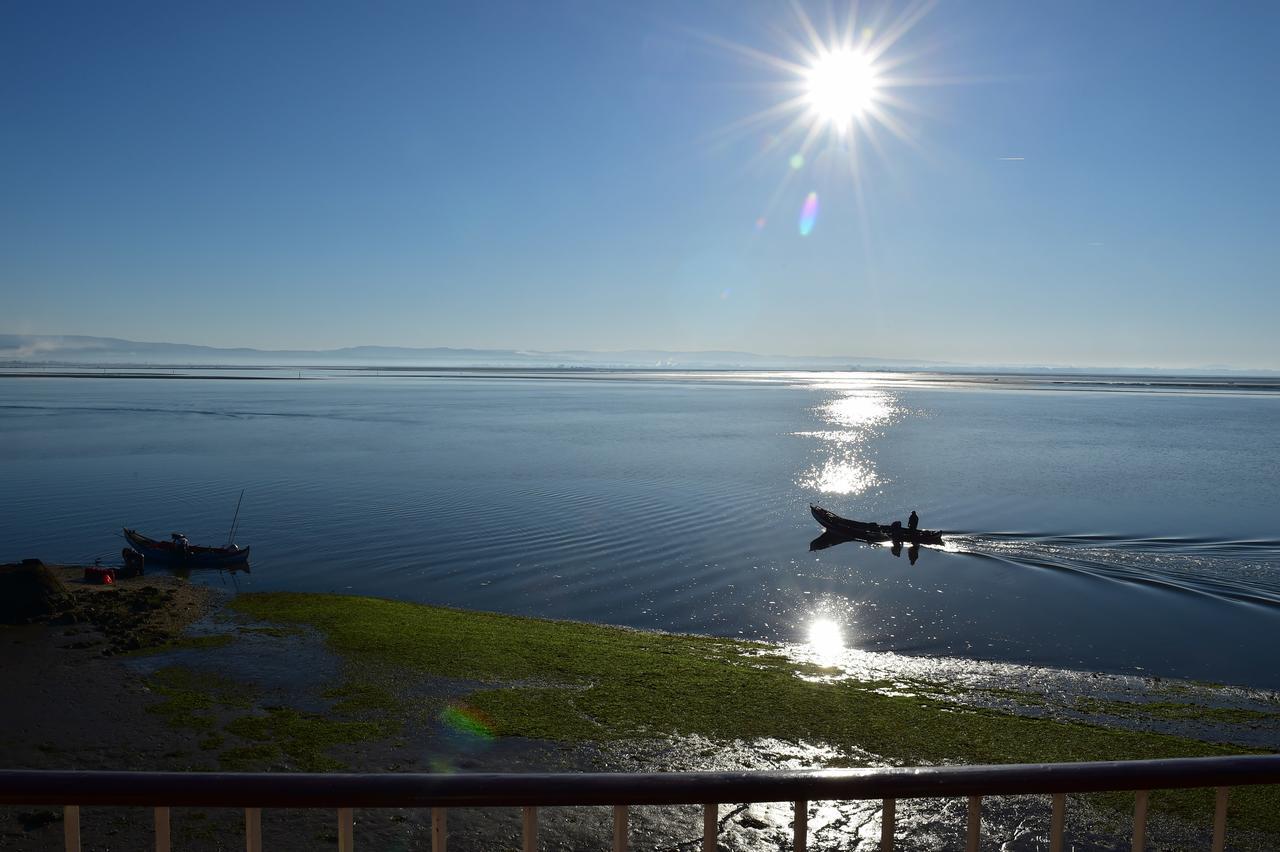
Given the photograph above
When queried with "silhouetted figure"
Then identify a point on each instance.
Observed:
(895, 529)
(913, 521)
(913, 553)
(133, 562)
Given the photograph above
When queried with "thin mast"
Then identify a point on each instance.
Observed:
(231, 532)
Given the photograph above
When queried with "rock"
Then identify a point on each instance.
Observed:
(30, 592)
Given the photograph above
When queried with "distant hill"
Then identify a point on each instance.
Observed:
(80, 349)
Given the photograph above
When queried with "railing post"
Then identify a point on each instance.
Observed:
(1220, 819)
(253, 830)
(887, 820)
(439, 832)
(1140, 820)
(346, 830)
(162, 830)
(71, 827)
(802, 827)
(530, 830)
(710, 827)
(974, 834)
(1058, 823)
(619, 828)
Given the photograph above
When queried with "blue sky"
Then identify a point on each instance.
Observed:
(567, 175)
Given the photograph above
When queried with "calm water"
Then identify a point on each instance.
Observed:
(1101, 527)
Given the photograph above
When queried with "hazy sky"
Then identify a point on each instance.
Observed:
(1069, 183)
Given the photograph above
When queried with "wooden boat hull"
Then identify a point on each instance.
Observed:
(872, 532)
(195, 556)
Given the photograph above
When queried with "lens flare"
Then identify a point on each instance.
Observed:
(467, 720)
(809, 214)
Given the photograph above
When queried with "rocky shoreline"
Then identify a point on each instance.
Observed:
(142, 612)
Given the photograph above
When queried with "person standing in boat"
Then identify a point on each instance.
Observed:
(913, 521)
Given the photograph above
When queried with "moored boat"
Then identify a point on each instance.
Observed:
(177, 551)
(867, 531)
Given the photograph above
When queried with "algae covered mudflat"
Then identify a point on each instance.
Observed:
(570, 682)
(316, 682)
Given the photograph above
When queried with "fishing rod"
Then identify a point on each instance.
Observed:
(232, 532)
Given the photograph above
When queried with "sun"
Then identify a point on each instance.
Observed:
(837, 87)
(840, 87)
(835, 109)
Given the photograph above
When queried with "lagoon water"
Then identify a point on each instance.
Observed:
(1098, 524)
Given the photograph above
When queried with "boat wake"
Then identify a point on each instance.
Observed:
(1244, 571)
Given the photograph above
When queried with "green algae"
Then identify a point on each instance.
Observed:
(357, 696)
(1026, 699)
(196, 700)
(189, 699)
(1173, 711)
(306, 738)
(249, 758)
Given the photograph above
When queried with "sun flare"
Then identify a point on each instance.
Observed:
(836, 92)
(841, 87)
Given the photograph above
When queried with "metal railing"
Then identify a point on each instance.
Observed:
(345, 792)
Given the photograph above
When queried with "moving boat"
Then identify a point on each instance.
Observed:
(177, 551)
(872, 532)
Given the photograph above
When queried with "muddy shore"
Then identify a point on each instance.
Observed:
(68, 688)
(157, 673)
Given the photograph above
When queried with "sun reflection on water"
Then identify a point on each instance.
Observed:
(848, 474)
(855, 416)
(826, 641)
(858, 409)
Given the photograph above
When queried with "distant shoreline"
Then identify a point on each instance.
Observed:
(133, 375)
(995, 379)
(69, 352)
